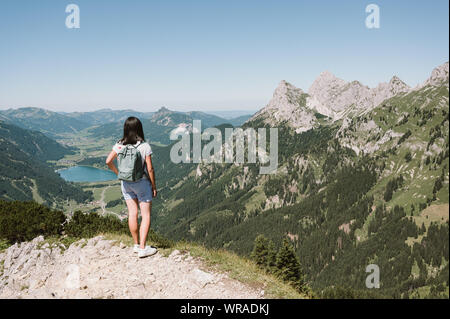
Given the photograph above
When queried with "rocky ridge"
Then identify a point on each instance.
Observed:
(100, 268)
(438, 76)
(334, 98)
(288, 104)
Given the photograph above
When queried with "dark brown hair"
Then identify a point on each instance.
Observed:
(132, 131)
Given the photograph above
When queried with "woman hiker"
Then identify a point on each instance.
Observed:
(135, 170)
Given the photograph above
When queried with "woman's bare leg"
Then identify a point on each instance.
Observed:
(132, 205)
(145, 222)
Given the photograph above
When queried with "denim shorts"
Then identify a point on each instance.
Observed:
(141, 190)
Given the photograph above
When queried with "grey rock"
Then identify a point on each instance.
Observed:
(203, 278)
(174, 253)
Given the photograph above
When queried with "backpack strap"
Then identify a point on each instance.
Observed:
(126, 148)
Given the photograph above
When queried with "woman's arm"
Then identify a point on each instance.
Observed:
(151, 173)
(110, 162)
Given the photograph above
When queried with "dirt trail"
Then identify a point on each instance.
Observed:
(99, 268)
(102, 200)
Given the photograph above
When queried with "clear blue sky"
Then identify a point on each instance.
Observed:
(207, 55)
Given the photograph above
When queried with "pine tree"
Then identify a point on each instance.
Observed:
(408, 157)
(260, 251)
(288, 266)
(271, 257)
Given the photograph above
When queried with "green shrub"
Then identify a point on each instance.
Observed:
(90, 224)
(23, 221)
(285, 263)
(288, 266)
(115, 202)
(340, 292)
(408, 157)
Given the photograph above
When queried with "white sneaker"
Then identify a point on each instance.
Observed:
(136, 248)
(147, 251)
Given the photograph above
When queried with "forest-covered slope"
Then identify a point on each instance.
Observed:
(372, 188)
(24, 173)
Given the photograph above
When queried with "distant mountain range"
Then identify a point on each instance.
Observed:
(58, 124)
(104, 116)
(157, 128)
(47, 122)
(231, 114)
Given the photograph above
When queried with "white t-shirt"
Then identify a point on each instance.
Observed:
(144, 149)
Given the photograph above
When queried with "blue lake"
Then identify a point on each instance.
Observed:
(86, 174)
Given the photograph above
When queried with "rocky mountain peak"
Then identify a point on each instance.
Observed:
(438, 76)
(326, 81)
(395, 79)
(326, 76)
(387, 90)
(396, 85)
(335, 98)
(287, 105)
(163, 110)
(285, 89)
(162, 116)
(332, 96)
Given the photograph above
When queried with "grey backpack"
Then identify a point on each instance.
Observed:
(129, 162)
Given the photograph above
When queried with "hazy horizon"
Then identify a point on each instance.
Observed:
(149, 110)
